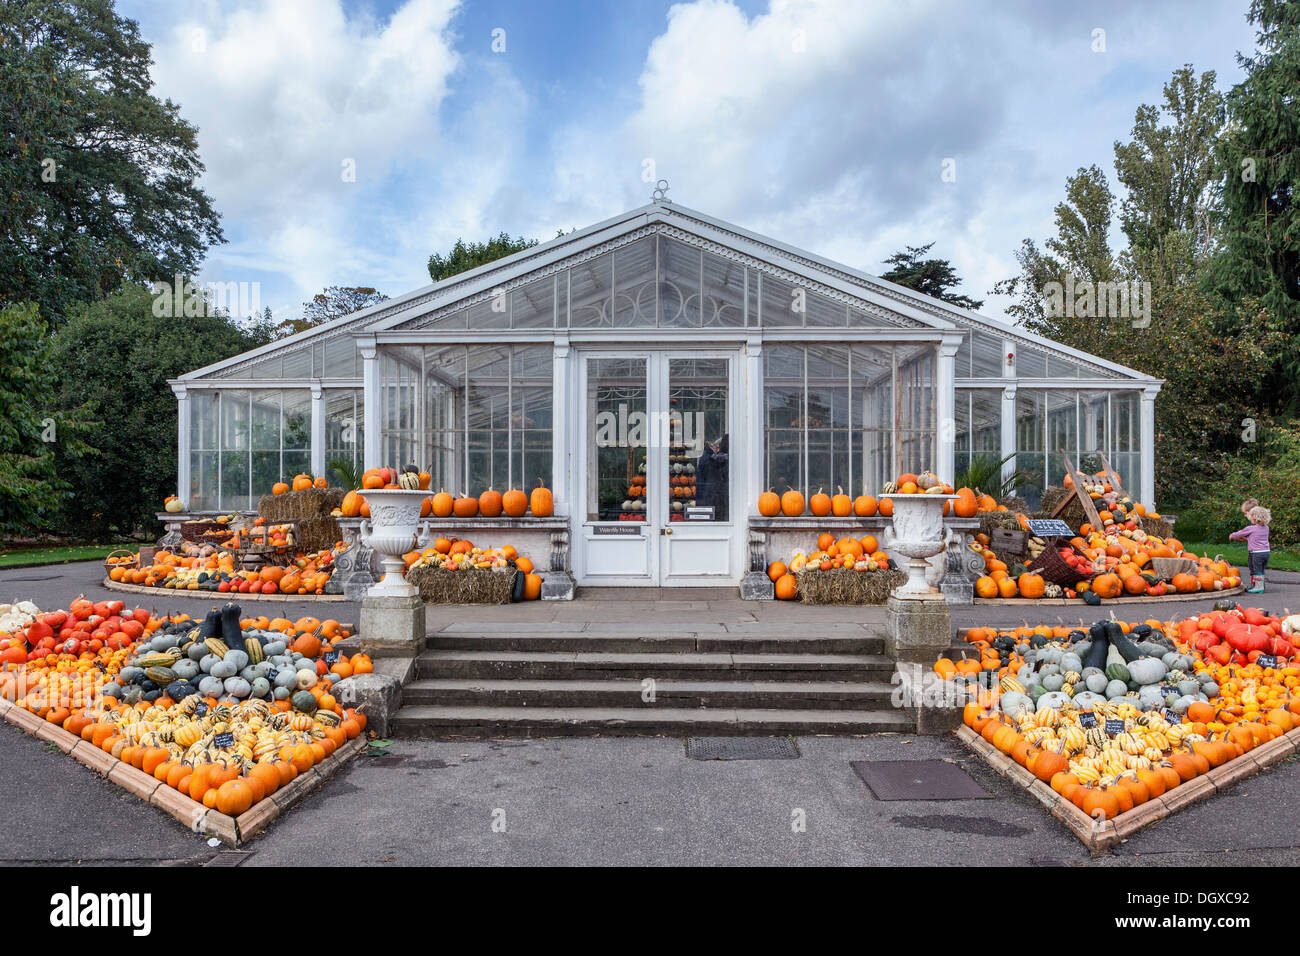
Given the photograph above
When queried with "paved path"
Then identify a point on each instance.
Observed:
(627, 802)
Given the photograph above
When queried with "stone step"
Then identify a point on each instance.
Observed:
(766, 695)
(855, 642)
(499, 721)
(544, 665)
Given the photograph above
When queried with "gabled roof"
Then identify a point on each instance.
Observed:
(869, 294)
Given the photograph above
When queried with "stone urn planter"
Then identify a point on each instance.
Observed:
(918, 534)
(392, 530)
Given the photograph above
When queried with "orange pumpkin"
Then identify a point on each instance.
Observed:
(490, 504)
(279, 488)
(776, 570)
(540, 501)
(864, 506)
(786, 587)
(792, 504)
(301, 482)
(1030, 585)
(841, 504)
(443, 505)
(532, 587)
(1107, 585)
(769, 504)
(514, 503)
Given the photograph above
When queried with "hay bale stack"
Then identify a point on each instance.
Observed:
(300, 505)
(992, 520)
(318, 530)
(475, 586)
(1053, 496)
(847, 586)
(1156, 526)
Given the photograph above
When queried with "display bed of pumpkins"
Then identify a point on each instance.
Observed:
(226, 711)
(791, 503)
(306, 576)
(831, 555)
(1113, 715)
(455, 571)
(1119, 562)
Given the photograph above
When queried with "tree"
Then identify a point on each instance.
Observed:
(117, 355)
(1168, 169)
(334, 302)
(99, 175)
(33, 433)
(933, 277)
(1259, 161)
(465, 256)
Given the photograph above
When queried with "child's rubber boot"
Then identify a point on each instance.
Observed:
(1256, 584)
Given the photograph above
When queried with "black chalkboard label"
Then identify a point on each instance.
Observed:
(1087, 719)
(224, 740)
(1114, 727)
(271, 674)
(331, 657)
(1173, 716)
(1049, 528)
(1167, 689)
(1266, 660)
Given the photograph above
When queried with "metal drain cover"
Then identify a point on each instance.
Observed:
(918, 780)
(741, 748)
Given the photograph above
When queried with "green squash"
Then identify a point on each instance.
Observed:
(304, 701)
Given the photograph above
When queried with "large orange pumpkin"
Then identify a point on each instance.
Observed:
(1185, 583)
(1030, 585)
(234, 797)
(465, 507)
(792, 504)
(490, 504)
(532, 587)
(514, 503)
(864, 506)
(351, 506)
(820, 504)
(777, 570)
(986, 587)
(301, 482)
(1107, 585)
(769, 504)
(786, 587)
(841, 504)
(443, 505)
(279, 488)
(540, 501)
(965, 506)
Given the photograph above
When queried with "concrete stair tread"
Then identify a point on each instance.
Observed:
(656, 719)
(634, 685)
(701, 659)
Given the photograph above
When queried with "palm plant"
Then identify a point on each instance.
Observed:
(349, 475)
(984, 474)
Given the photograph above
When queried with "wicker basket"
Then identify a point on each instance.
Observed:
(201, 531)
(1052, 567)
(121, 558)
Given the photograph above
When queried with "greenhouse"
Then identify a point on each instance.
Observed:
(658, 371)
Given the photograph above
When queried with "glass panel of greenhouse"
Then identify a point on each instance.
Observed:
(242, 441)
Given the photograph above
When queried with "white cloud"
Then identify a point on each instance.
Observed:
(290, 94)
(825, 122)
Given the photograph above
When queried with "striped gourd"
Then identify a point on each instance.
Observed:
(160, 675)
(1011, 685)
(254, 648)
(328, 718)
(154, 660)
(217, 646)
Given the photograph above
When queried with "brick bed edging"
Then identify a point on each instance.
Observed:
(186, 592)
(1128, 599)
(1099, 837)
(232, 831)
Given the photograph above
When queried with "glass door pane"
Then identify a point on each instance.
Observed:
(618, 482)
(699, 468)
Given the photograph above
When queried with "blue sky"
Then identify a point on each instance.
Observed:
(824, 123)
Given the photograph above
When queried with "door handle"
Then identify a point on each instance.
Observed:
(665, 530)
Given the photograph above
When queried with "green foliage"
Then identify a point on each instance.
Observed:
(1167, 169)
(465, 256)
(333, 303)
(117, 355)
(99, 176)
(343, 472)
(1269, 470)
(984, 474)
(1259, 158)
(34, 435)
(933, 277)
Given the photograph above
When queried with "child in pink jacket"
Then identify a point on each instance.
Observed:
(1255, 535)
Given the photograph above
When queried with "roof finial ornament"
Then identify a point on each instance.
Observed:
(660, 193)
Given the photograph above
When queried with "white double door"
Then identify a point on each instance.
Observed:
(657, 468)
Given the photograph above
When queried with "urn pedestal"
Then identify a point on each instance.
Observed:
(392, 614)
(919, 626)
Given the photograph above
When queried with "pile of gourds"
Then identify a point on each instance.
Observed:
(308, 574)
(1044, 697)
(1120, 558)
(226, 656)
